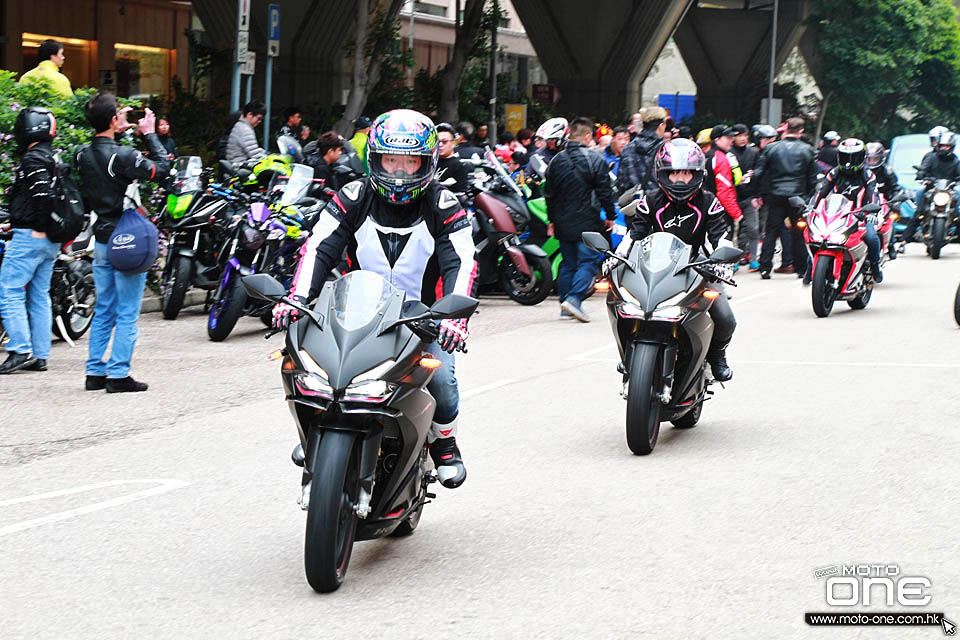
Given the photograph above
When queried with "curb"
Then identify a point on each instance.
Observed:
(193, 298)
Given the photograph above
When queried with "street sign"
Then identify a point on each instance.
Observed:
(273, 38)
(250, 64)
(243, 42)
(243, 23)
(545, 94)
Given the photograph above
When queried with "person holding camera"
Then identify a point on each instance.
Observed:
(106, 170)
(29, 256)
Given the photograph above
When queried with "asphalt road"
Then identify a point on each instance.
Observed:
(172, 514)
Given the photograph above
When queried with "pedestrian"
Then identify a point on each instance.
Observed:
(293, 125)
(480, 139)
(225, 138)
(106, 171)
(163, 134)
(29, 256)
(749, 234)
(465, 147)
(578, 191)
(358, 143)
(765, 134)
(329, 148)
(790, 168)
(449, 166)
(636, 125)
(525, 138)
(614, 151)
(242, 145)
(636, 162)
(47, 70)
(722, 176)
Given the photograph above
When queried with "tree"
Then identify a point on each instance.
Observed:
(375, 33)
(888, 65)
(463, 47)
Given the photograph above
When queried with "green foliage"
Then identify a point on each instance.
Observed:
(889, 66)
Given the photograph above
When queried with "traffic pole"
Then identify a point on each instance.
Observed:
(235, 85)
(269, 92)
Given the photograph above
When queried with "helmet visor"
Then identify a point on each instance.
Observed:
(399, 170)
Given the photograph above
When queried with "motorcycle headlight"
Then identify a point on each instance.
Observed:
(838, 238)
(941, 199)
(368, 385)
(313, 382)
(672, 312)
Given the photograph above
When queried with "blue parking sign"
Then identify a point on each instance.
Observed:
(273, 31)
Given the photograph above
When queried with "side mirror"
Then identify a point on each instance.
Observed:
(627, 196)
(454, 306)
(900, 197)
(226, 167)
(595, 240)
(263, 287)
(871, 208)
(797, 202)
(727, 255)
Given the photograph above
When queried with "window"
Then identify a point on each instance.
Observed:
(429, 9)
(141, 71)
(77, 53)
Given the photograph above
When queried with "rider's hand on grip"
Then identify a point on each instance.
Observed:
(453, 335)
(283, 315)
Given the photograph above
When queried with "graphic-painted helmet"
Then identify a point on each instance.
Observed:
(935, 134)
(680, 155)
(946, 139)
(851, 155)
(34, 124)
(555, 129)
(402, 134)
(876, 155)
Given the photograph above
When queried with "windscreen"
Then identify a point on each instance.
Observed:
(661, 250)
(294, 187)
(836, 204)
(358, 296)
(187, 178)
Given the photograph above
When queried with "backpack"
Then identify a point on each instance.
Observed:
(134, 244)
(68, 215)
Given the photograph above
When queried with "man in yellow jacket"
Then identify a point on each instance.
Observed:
(51, 59)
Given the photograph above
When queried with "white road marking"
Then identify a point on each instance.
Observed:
(487, 387)
(585, 356)
(824, 363)
(739, 301)
(163, 487)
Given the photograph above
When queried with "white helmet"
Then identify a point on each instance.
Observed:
(554, 129)
(935, 134)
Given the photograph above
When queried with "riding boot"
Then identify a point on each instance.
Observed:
(717, 358)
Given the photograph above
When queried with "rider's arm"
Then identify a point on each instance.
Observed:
(827, 186)
(132, 165)
(641, 223)
(323, 249)
(456, 253)
(718, 227)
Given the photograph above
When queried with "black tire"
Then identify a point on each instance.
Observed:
(690, 419)
(862, 300)
(822, 294)
(521, 289)
(78, 317)
(938, 234)
(225, 313)
(176, 281)
(331, 519)
(643, 398)
(956, 306)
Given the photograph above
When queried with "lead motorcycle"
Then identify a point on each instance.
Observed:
(355, 372)
(658, 303)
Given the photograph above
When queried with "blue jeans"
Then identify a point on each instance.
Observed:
(25, 293)
(118, 307)
(443, 386)
(577, 269)
(873, 243)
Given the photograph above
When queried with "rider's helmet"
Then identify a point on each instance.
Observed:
(831, 136)
(555, 129)
(402, 132)
(946, 138)
(680, 155)
(34, 124)
(935, 134)
(876, 155)
(851, 155)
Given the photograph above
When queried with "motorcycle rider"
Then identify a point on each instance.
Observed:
(679, 204)
(827, 155)
(401, 223)
(940, 164)
(854, 181)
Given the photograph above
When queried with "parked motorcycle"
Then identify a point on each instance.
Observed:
(658, 304)
(355, 373)
(940, 224)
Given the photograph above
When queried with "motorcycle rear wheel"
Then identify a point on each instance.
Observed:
(176, 281)
(76, 320)
(528, 293)
(331, 519)
(643, 398)
(938, 234)
(823, 295)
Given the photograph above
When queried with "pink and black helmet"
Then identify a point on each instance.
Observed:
(680, 155)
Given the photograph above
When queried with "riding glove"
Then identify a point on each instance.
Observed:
(453, 335)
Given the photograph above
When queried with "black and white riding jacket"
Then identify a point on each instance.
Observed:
(424, 248)
(696, 221)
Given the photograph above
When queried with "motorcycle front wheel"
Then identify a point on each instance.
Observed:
(227, 310)
(822, 293)
(331, 519)
(643, 398)
(938, 234)
(176, 281)
(527, 290)
(77, 312)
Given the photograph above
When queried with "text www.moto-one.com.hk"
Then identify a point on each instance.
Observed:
(873, 619)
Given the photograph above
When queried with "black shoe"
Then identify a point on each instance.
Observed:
(125, 385)
(447, 460)
(877, 272)
(718, 365)
(38, 365)
(765, 275)
(297, 455)
(16, 362)
(807, 278)
(96, 383)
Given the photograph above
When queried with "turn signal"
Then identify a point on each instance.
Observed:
(710, 294)
(801, 224)
(894, 216)
(288, 365)
(428, 362)
(602, 285)
(275, 355)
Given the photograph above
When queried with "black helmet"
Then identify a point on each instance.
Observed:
(34, 124)
(851, 155)
(876, 155)
(947, 138)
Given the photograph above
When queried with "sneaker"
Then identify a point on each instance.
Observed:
(563, 314)
(572, 306)
(38, 365)
(765, 275)
(16, 362)
(96, 383)
(447, 460)
(784, 269)
(125, 385)
(754, 267)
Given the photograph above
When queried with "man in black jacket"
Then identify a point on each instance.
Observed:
(106, 170)
(577, 187)
(325, 154)
(787, 168)
(29, 256)
(636, 160)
